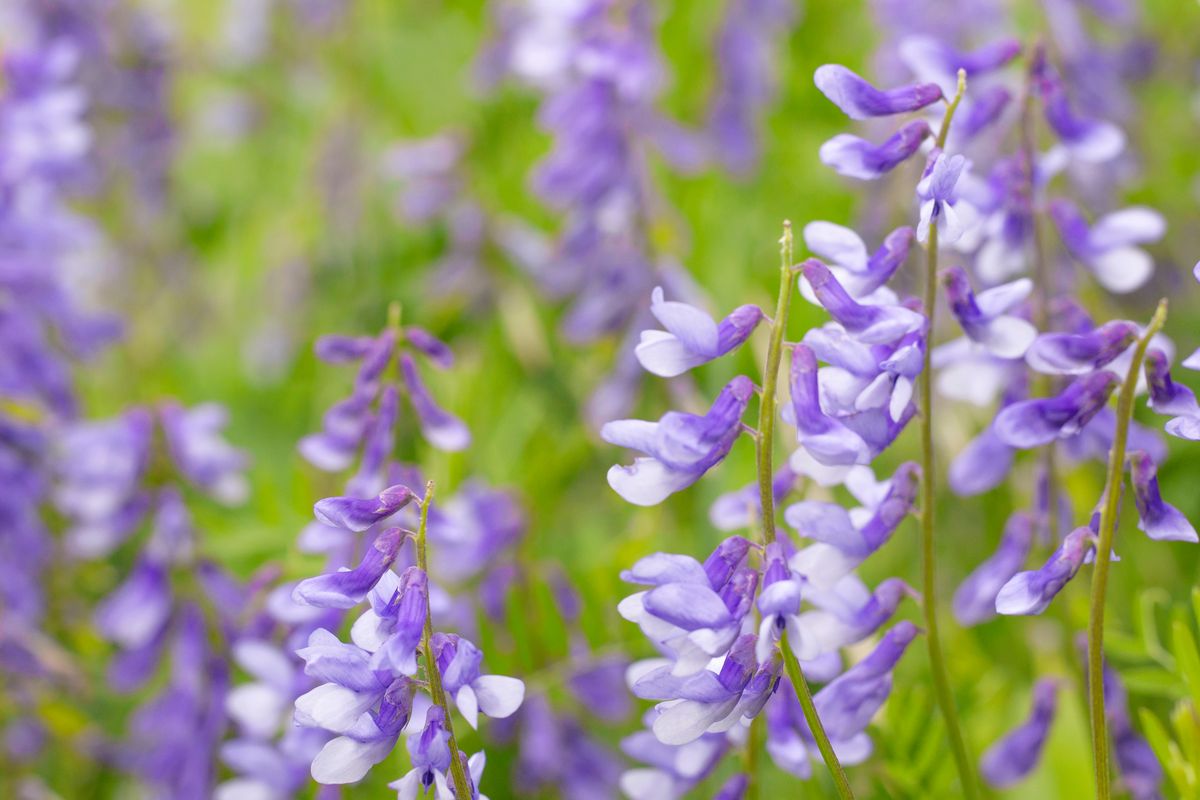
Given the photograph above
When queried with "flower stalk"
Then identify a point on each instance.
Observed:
(765, 453)
(941, 677)
(1108, 525)
(462, 786)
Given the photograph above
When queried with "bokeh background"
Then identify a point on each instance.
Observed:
(276, 221)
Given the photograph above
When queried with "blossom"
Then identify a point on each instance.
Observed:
(347, 588)
(856, 157)
(458, 660)
(975, 599)
(1031, 592)
(1108, 246)
(430, 753)
(1090, 140)
(1160, 520)
(1031, 423)
(938, 193)
(1081, 353)
(1016, 754)
(846, 613)
(354, 514)
(679, 448)
(858, 99)
(691, 337)
(1170, 398)
(983, 316)
(869, 324)
(859, 272)
(694, 610)
(932, 59)
(391, 628)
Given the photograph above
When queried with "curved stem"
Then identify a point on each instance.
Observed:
(462, 786)
(765, 453)
(1108, 526)
(933, 641)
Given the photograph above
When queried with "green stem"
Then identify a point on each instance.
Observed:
(1108, 526)
(796, 676)
(462, 786)
(933, 640)
(765, 451)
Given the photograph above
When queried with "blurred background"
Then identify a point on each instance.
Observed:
(275, 170)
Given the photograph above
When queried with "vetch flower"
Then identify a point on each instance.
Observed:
(347, 588)
(859, 273)
(845, 613)
(1081, 353)
(679, 448)
(868, 324)
(843, 540)
(443, 430)
(1090, 140)
(391, 628)
(691, 337)
(1031, 592)
(975, 599)
(1160, 520)
(825, 438)
(354, 514)
(1032, 423)
(855, 157)
(984, 317)
(1170, 398)
(458, 660)
(932, 59)
(938, 193)
(1016, 754)
(1107, 247)
(858, 99)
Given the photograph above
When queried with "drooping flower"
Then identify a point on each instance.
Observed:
(1031, 592)
(1016, 754)
(1108, 247)
(679, 448)
(1170, 398)
(856, 157)
(975, 599)
(984, 317)
(458, 660)
(691, 337)
(858, 99)
(1081, 353)
(1032, 423)
(1160, 520)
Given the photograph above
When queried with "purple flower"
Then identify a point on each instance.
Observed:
(846, 254)
(674, 769)
(841, 544)
(734, 788)
(858, 99)
(982, 465)
(368, 741)
(848, 703)
(201, 452)
(691, 337)
(1160, 520)
(1170, 398)
(1087, 139)
(694, 611)
(856, 157)
(458, 660)
(353, 514)
(346, 588)
(932, 59)
(1032, 423)
(938, 193)
(1015, 755)
(391, 628)
(1081, 353)
(1031, 592)
(442, 429)
(984, 318)
(975, 599)
(679, 448)
(1139, 767)
(845, 613)
(867, 323)
(430, 754)
(1107, 247)
(825, 438)
(707, 701)
(741, 508)
(139, 608)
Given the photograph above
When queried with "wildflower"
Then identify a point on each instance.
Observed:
(691, 337)
(975, 599)
(858, 99)
(1031, 423)
(1017, 753)
(1160, 520)
(1031, 592)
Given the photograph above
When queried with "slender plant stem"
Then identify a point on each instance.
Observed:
(462, 786)
(765, 451)
(766, 407)
(1108, 527)
(933, 641)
